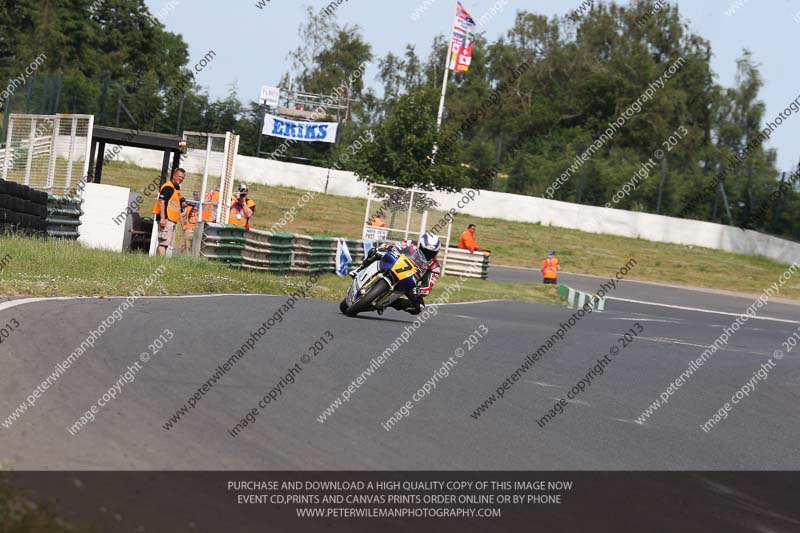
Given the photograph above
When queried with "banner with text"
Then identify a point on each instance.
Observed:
(300, 131)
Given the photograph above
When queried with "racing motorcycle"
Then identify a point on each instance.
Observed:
(380, 283)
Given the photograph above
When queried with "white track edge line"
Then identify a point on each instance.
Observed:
(702, 310)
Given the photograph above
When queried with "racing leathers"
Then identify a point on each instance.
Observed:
(414, 300)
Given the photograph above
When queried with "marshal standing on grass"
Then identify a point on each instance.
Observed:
(168, 208)
(550, 268)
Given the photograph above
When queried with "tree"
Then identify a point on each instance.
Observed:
(400, 153)
(736, 128)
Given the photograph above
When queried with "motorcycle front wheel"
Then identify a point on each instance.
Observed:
(365, 302)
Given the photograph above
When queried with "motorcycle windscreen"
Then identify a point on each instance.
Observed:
(390, 258)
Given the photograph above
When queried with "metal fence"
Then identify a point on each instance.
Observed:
(47, 152)
(396, 213)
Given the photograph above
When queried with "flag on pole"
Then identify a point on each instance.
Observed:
(461, 42)
(343, 257)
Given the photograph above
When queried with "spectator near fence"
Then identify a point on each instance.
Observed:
(168, 209)
(210, 203)
(468, 242)
(242, 208)
(189, 223)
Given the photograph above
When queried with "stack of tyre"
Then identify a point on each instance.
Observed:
(22, 209)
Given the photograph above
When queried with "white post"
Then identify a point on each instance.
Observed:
(31, 139)
(51, 163)
(228, 173)
(154, 238)
(9, 151)
(440, 114)
(447, 245)
(87, 154)
(410, 209)
(73, 133)
(366, 214)
(204, 184)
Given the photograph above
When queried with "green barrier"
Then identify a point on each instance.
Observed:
(223, 243)
(278, 253)
(323, 254)
(63, 216)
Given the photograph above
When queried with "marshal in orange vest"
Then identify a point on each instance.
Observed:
(550, 268)
(173, 204)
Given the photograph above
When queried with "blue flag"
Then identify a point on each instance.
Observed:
(343, 257)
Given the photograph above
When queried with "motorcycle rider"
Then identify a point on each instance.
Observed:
(429, 245)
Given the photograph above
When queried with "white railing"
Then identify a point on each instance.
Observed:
(458, 261)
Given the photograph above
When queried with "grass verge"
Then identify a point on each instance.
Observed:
(45, 267)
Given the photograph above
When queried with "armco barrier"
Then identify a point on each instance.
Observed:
(63, 216)
(576, 299)
(270, 252)
(278, 253)
(323, 255)
(222, 242)
(284, 253)
(463, 263)
(301, 252)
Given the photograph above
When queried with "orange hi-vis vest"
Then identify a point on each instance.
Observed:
(173, 204)
(240, 220)
(212, 197)
(189, 218)
(550, 268)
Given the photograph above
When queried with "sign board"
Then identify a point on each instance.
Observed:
(300, 131)
(270, 96)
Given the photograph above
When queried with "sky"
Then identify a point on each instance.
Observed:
(252, 43)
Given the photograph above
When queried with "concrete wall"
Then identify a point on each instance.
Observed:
(519, 208)
(101, 204)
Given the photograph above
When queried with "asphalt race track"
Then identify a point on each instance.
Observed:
(654, 293)
(595, 432)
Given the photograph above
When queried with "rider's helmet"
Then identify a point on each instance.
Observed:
(430, 245)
